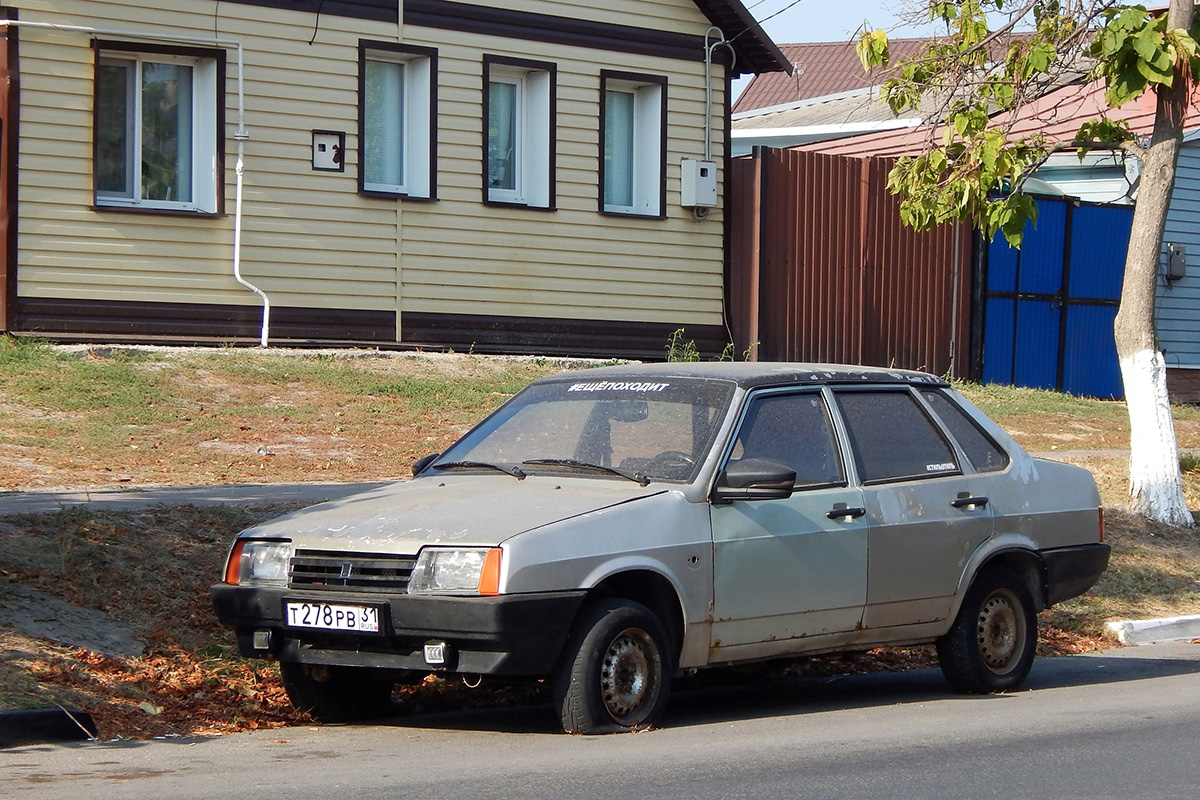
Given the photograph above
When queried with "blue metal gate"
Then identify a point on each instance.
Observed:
(1049, 307)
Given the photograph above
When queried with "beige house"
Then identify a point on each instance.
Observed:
(526, 175)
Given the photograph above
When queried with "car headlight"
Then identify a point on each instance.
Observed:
(446, 570)
(258, 562)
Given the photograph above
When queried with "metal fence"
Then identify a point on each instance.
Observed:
(821, 269)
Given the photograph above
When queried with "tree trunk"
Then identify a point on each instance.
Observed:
(1154, 478)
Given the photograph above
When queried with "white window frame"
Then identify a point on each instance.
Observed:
(533, 133)
(648, 142)
(205, 140)
(419, 98)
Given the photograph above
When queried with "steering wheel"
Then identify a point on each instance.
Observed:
(671, 462)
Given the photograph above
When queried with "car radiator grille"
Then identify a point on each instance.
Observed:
(316, 569)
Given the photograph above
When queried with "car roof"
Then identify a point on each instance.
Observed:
(755, 374)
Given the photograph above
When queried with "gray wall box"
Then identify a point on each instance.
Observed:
(698, 183)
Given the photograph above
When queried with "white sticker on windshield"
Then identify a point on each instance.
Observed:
(618, 386)
(945, 467)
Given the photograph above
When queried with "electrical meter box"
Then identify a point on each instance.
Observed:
(698, 183)
(1176, 262)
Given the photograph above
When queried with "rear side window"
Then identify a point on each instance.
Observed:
(984, 454)
(893, 438)
(793, 430)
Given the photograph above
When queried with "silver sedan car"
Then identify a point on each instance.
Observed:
(607, 529)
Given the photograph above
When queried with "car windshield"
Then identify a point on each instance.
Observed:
(636, 428)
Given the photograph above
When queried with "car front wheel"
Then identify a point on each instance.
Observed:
(615, 672)
(336, 694)
(991, 645)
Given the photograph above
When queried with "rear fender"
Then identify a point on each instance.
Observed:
(1016, 552)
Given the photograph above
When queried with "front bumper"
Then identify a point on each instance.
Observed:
(503, 635)
(1071, 571)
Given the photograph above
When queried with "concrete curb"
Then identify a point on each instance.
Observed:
(46, 725)
(1148, 631)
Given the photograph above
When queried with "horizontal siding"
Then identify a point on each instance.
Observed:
(679, 16)
(574, 261)
(309, 239)
(1178, 307)
(296, 235)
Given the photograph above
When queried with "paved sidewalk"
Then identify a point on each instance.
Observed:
(43, 501)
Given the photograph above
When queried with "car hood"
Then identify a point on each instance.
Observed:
(467, 510)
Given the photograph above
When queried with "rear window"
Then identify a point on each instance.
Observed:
(892, 437)
(983, 453)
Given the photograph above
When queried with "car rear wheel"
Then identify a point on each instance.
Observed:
(615, 671)
(336, 694)
(991, 645)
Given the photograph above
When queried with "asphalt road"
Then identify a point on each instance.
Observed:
(1123, 724)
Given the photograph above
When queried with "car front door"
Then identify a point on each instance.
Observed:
(789, 574)
(927, 517)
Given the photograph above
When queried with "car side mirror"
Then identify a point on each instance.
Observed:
(754, 479)
(423, 462)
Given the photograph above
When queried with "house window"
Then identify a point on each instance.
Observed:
(519, 132)
(633, 144)
(397, 109)
(158, 137)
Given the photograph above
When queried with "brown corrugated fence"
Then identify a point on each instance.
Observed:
(823, 270)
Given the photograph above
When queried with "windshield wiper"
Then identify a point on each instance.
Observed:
(513, 470)
(636, 477)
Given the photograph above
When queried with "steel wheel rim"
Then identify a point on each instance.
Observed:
(629, 676)
(1000, 631)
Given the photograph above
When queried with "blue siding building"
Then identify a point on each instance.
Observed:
(1178, 307)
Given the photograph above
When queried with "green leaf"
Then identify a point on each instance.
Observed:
(1147, 44)
(872, 49)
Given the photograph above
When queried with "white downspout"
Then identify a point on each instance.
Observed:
(240, 135)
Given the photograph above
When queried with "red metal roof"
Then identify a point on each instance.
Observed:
(821, 68)
(1058, 115)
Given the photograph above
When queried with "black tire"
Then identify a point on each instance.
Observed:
(336, 694)
(991, 645)
(615, 671)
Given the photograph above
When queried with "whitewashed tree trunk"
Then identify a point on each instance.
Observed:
(1154, 479)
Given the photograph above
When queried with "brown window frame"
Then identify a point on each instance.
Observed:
(407, 51)
(218, 56)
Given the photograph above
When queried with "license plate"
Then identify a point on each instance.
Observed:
(332, 617)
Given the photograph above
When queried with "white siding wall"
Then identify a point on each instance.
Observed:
(309, 239)
(1179, 301)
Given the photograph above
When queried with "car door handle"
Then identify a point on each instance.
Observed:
(841, 512)
(963, 502)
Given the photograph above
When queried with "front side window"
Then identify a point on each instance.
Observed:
(793, 430)
(157, 129)
(518, 126)
(396, 114)
(892, 437)
(633, 144)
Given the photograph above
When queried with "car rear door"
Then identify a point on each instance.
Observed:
(795, 568)
(927, 515)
